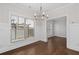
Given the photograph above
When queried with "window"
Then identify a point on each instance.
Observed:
(21, 28)
(30, 25)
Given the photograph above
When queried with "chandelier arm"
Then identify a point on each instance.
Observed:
(41, 13)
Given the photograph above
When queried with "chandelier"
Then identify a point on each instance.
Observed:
(41, 14)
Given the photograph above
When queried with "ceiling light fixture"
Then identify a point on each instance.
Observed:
(41, 14)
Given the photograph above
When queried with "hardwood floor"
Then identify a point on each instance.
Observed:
(54, 46)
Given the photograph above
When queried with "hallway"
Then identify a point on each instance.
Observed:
(54, 46)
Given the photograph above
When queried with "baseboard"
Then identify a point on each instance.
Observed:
(72, 50)
(56, 36)
(9, 48)
(10, 51)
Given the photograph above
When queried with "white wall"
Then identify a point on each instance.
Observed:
(50, 28)
(72, 13)
(60, 27)
(6, 10)
(40, 30)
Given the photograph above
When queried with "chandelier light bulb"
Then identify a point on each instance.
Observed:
(43, 13)
(41, 17)
(47, 15)
(35, 14)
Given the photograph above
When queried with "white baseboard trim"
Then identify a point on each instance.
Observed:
(11, 47)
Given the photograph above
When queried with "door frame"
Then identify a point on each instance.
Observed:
(57, 18)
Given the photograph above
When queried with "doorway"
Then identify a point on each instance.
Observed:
(56, 33)
(56, 27)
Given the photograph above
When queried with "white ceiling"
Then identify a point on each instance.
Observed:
(46, 6)
(33, 7)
